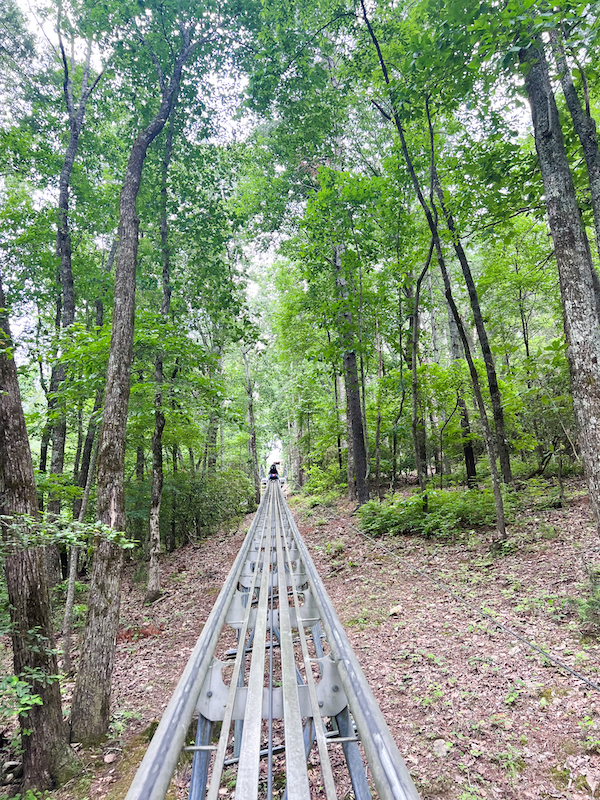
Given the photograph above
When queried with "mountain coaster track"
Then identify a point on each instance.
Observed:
(289, 694)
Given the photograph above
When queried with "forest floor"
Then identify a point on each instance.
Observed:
(475, 712)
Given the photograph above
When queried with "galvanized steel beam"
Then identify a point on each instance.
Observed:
(273, 597)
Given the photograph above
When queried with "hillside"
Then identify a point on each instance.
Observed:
(475, 712)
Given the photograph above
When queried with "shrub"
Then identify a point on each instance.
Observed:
(205, 504)
(447, 513)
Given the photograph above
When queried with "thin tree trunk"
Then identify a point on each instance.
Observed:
(488, 358)
(172, 544)
(73, 559)
(63, 235)
(418, 421)
(359, 452)
(337, 418)
(352, 496)
(378, 424)
(432, 223)
(47, 758)
(77, 462)
(153, 591)
(91, 698)
(351, 382)
(465, 424)
(573, 258)
(65, 275)
(489, 439)
(86, 453)
(252, 442)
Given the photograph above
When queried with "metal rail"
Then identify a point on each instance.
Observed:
(290, 688)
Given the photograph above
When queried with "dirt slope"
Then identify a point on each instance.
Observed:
(476, 713)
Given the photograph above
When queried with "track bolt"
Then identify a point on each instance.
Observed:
(335, 688)
(320, 704)
(209, 694)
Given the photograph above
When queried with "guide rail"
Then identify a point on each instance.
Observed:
(274, 667)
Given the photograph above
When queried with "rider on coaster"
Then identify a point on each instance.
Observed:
(273, 474)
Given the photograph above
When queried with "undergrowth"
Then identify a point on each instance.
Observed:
(589, 606)
(448, 513)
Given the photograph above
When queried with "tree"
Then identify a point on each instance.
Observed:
(153, 590)
(47, 757)
(573, 257)
(91, 699)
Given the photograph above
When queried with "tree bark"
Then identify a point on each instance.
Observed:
(91, 698)
(153, 589)
(378, 423)
(585, 128)
(336, 398)
(575, 267)
(47, 757)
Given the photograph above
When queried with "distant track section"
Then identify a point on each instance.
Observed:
(279, 703)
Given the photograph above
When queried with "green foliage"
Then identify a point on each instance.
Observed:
(204, 504)
(16, 697)
(448, 513)
(591, 730)
(24, 531)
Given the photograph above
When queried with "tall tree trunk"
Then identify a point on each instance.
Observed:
(465, 424)
(359, 453)
(91, 698)
(252, 425)
(172, 543)
(153, 589)
(351, 383)
(77, 461)
(433, 227)
(337, 418)
(378, 423)
(65, 274)
(418, 420)
(337, 410)
(488, 358)
(211, 442)
(395, 118)
(47, 757)
(76, 116)
(489, 439)
(571, 248)
(352, 496)
(585, 128)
